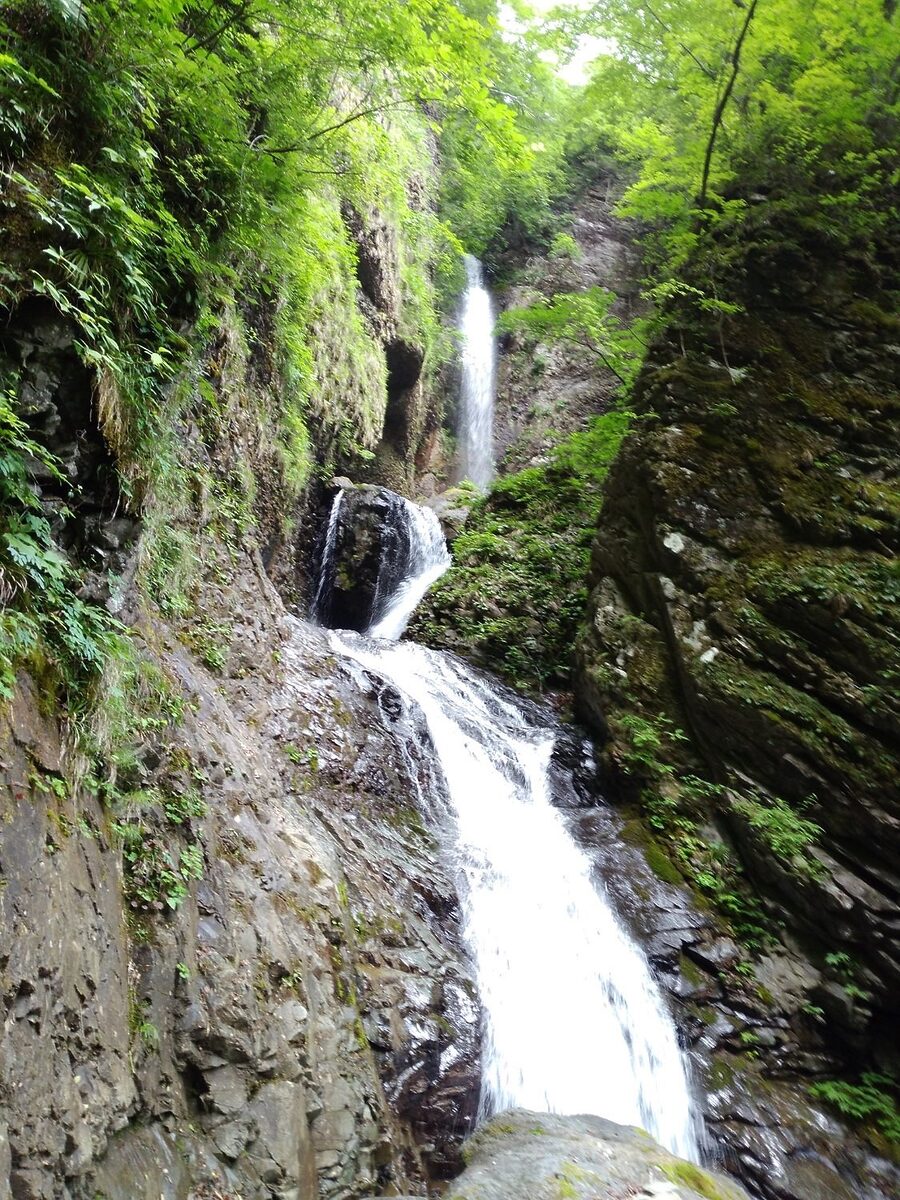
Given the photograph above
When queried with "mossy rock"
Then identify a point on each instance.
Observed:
(576, 1158)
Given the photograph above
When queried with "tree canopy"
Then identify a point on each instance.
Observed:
(715, 101)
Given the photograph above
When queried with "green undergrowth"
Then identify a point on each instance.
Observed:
(676, 833)
(184, 188)
(516, 591)
(42, 618)
(155, 816)
(874, 1101)
(676, 807)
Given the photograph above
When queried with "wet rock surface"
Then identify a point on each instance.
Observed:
(544, 1156)
(304, 1023)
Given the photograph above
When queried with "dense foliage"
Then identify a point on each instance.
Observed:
(516, 592)
(720, 106)
(727, 121)
(170, 167)
(39, 605)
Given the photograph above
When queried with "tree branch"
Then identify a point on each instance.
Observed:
(589, 344)
(707, 71)
(209, 43)
(723, 104)
(355, 116)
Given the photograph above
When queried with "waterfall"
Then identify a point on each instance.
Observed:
(406, 575)
(412, 554)
(574, 1021)
(478, 374)
(327, 560)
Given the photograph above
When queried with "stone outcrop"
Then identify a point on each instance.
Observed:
(299, 1024)
(408, 443)
(368, 547)
(545, 1157)
(743, 583)
(742, 621)
(547, 391)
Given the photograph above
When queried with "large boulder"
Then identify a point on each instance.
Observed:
(523, 1155)
(373, 541)
(365, 551)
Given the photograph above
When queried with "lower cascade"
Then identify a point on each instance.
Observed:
(574, 1022)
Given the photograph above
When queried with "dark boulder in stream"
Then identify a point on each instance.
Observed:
(375, 544)
(360, 538)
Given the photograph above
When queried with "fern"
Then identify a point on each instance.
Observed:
(873, 1100)
(42, 613)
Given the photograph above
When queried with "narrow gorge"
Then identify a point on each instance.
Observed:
(449, 623)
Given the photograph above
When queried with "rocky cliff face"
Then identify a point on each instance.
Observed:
(408, 441)
(741, 655)
(298, 1023)
(229, 955)
(547, 391)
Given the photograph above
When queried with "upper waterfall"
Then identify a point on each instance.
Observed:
(478, 369)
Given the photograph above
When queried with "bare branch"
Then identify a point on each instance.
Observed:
(723, 103)
(707, 71)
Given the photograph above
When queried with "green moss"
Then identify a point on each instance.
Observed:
(691, 971)
(707, 1015)
(721, 1074)
(687, 1175)
(765, 995)
(572, 1181)
(515, 595)
(661, 865)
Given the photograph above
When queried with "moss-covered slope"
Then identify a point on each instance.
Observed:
(742, 652)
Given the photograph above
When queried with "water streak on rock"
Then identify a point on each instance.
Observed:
(327, 564)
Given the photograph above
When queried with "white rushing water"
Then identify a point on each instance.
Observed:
(425, 561)
(574, 1021)
(326, 567)
(478, 379)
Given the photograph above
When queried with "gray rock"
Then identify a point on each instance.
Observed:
(715, 955)
(544, 1157)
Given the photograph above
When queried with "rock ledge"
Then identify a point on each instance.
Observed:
(523, 1155)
